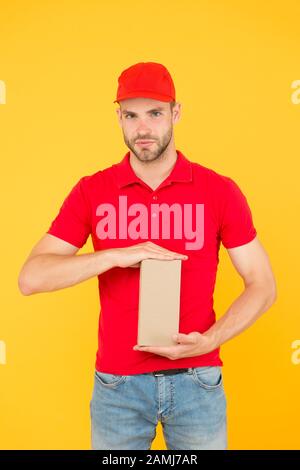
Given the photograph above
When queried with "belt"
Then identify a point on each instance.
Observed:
(169, 371)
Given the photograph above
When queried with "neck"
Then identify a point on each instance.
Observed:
(154, 172)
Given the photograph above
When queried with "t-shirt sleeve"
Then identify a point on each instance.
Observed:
(73, 221)
(237, 227)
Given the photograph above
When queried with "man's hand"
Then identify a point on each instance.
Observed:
(193, 344)
(131, 256)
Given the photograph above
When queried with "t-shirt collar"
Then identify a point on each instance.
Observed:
(181, 172)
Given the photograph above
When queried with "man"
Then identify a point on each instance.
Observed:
(121, 207)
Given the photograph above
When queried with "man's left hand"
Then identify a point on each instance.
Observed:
(192, 344)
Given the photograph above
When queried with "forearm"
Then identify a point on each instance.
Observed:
(243, 312)
(49, 272)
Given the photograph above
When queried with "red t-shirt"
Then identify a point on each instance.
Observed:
(191, 212)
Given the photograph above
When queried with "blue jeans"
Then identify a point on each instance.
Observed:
(191, 407)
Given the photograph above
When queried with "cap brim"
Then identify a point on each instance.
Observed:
(145, 94)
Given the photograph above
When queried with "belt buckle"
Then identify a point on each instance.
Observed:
(166, 372)
(158, 373)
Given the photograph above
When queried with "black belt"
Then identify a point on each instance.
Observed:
(169, 371)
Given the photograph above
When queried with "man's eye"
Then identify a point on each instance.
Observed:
(130, 115)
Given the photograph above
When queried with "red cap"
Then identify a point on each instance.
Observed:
(148, 80)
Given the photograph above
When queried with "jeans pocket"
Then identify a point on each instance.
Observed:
(109, 380)
(209, 377)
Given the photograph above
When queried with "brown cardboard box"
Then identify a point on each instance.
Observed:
(159, 302)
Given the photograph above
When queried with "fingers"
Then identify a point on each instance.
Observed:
(148, 250)
(166, 256)
(165, 252)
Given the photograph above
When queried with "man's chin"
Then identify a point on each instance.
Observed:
(144, 154)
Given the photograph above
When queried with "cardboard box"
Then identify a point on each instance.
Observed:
(159, 302)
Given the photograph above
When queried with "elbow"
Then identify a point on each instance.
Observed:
(24, 284)
(272, 293)
(267, 290)
(24, 288)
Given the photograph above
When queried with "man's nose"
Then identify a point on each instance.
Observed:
(143, 129)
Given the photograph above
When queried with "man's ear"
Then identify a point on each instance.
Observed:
(118, 111)
(176, 112)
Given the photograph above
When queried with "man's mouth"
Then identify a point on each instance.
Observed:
(145, 143)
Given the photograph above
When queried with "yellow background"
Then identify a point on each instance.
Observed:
(233, 64)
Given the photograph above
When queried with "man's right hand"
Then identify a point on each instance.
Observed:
(132, 256)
